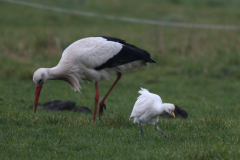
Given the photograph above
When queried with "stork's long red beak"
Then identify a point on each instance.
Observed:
(37, 94)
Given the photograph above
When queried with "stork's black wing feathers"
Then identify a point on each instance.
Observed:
(114, 39)
(128, 53)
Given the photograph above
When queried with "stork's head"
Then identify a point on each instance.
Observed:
(39, 77)
(169, 108)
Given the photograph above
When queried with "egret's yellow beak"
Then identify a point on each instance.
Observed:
(173, 114)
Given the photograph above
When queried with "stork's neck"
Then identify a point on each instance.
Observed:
(62, 73)
(55, 73)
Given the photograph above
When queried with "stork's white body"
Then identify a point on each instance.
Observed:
(80, 59)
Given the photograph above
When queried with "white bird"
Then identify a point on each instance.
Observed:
(147, 109)
(93, 59)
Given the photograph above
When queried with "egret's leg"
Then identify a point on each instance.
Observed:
(140, 126)
(102, 104)
(96, 101)
(162, 131)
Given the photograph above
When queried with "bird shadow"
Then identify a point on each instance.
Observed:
(179, 112)
(58, 105)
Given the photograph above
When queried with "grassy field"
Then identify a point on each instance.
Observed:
(197, 69)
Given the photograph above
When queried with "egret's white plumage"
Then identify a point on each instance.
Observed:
(148, 107)
(93, 59)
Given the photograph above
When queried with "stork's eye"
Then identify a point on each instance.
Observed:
(40, 82)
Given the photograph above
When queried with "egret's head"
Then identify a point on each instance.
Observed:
(40, 76)
(169, 108)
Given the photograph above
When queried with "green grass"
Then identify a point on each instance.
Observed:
(210, 132)
(197, 69)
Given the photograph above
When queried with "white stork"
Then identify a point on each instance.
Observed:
(93, 59)
(147, 109)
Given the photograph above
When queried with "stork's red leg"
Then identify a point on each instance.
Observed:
(102, 105)
(96, 101)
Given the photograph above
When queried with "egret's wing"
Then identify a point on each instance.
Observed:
(145, 102)
(141, 105)
(145, 93)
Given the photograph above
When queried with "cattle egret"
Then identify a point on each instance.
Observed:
(147, 109)
(93, 59)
